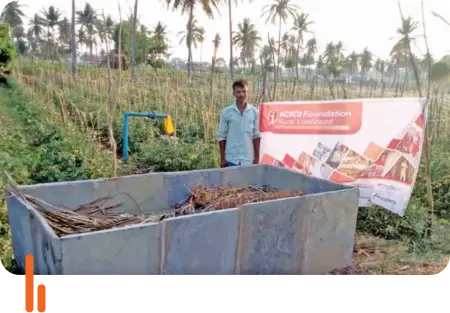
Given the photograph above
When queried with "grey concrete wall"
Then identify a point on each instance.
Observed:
(32, 235)
(303, 235)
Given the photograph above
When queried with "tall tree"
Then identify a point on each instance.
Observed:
(353, 62)
(188, 6)
(366, 62)
(216, 44)
(247, 39)
(230, 27)
(280, 10)
(160, 31)
(51, 19)
(301, 26)
(133, 54)
(73, 41)
(193, 35)
(64, 30)
(12, 14)
(18, 34)
(87, 19)
(35, 26)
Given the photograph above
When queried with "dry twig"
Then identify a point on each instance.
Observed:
(96, 215)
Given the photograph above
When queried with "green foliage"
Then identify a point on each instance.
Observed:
(7, 49)
(379, 222)
(37, 147)
(53, 165)
(5, 247)
(440, 70)
(440, 182)
(171, 155)
(148, 49)
(38, 152)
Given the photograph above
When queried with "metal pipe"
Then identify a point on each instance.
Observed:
(125, 126)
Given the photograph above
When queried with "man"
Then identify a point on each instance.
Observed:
(404, 166)
(239, 137)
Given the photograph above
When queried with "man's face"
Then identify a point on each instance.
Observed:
(240, 94)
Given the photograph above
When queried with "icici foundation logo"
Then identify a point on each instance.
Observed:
(29, 287)
(273, 117)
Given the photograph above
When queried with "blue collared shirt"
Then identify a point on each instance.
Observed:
(239, 130)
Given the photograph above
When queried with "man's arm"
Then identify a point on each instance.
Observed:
(256, 138)
(222, 145)
(222, 138)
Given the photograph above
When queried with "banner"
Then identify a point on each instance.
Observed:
(372, 144)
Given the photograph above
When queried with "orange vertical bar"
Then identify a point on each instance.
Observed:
(29, 282)
(41, 298)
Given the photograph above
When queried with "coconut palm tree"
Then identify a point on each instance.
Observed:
(380, 67)
(86, 18)
(35, 28)
(280, 10)
(311, 50)
(193, 35)
(301, 26)
(12, 14)
(33, 44)
(188, 6)
(109, 27)
(353, 62)
(64, 29)
(216, 44)
(160, 31)
(333, 61)
(133, 40)
(73, 40)
(366, 62)
(247, 39)
(18, 35)
(398, 61)
(50, 19)
(403, 45)
(230, 27)
(82, 39)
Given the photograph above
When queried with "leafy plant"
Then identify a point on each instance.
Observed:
(7, 49)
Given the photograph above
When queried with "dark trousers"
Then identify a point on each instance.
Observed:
(229, 164)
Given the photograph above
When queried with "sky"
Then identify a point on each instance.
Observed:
(358, 23)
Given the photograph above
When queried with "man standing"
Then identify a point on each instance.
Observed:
(239, 137)
(403, 168)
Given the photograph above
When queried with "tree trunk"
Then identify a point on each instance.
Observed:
(111, 111)
(426, 149)
(74, 42)
(395, 77)
(133, 47)
(231, 40)
(119, 49)
(189, 40)
(279, 50)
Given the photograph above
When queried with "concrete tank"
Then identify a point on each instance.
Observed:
(311, 234)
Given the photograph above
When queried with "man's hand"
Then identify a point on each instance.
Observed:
(223, 163)
(256, 160)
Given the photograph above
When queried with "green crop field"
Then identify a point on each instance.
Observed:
(54, 127)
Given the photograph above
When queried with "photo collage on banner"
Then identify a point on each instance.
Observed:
(373, 144)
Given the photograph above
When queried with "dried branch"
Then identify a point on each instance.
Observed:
(96, 216)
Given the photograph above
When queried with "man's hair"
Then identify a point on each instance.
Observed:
(241, 83)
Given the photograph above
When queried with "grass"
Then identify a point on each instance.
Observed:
(77, 110)
(376, 256)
